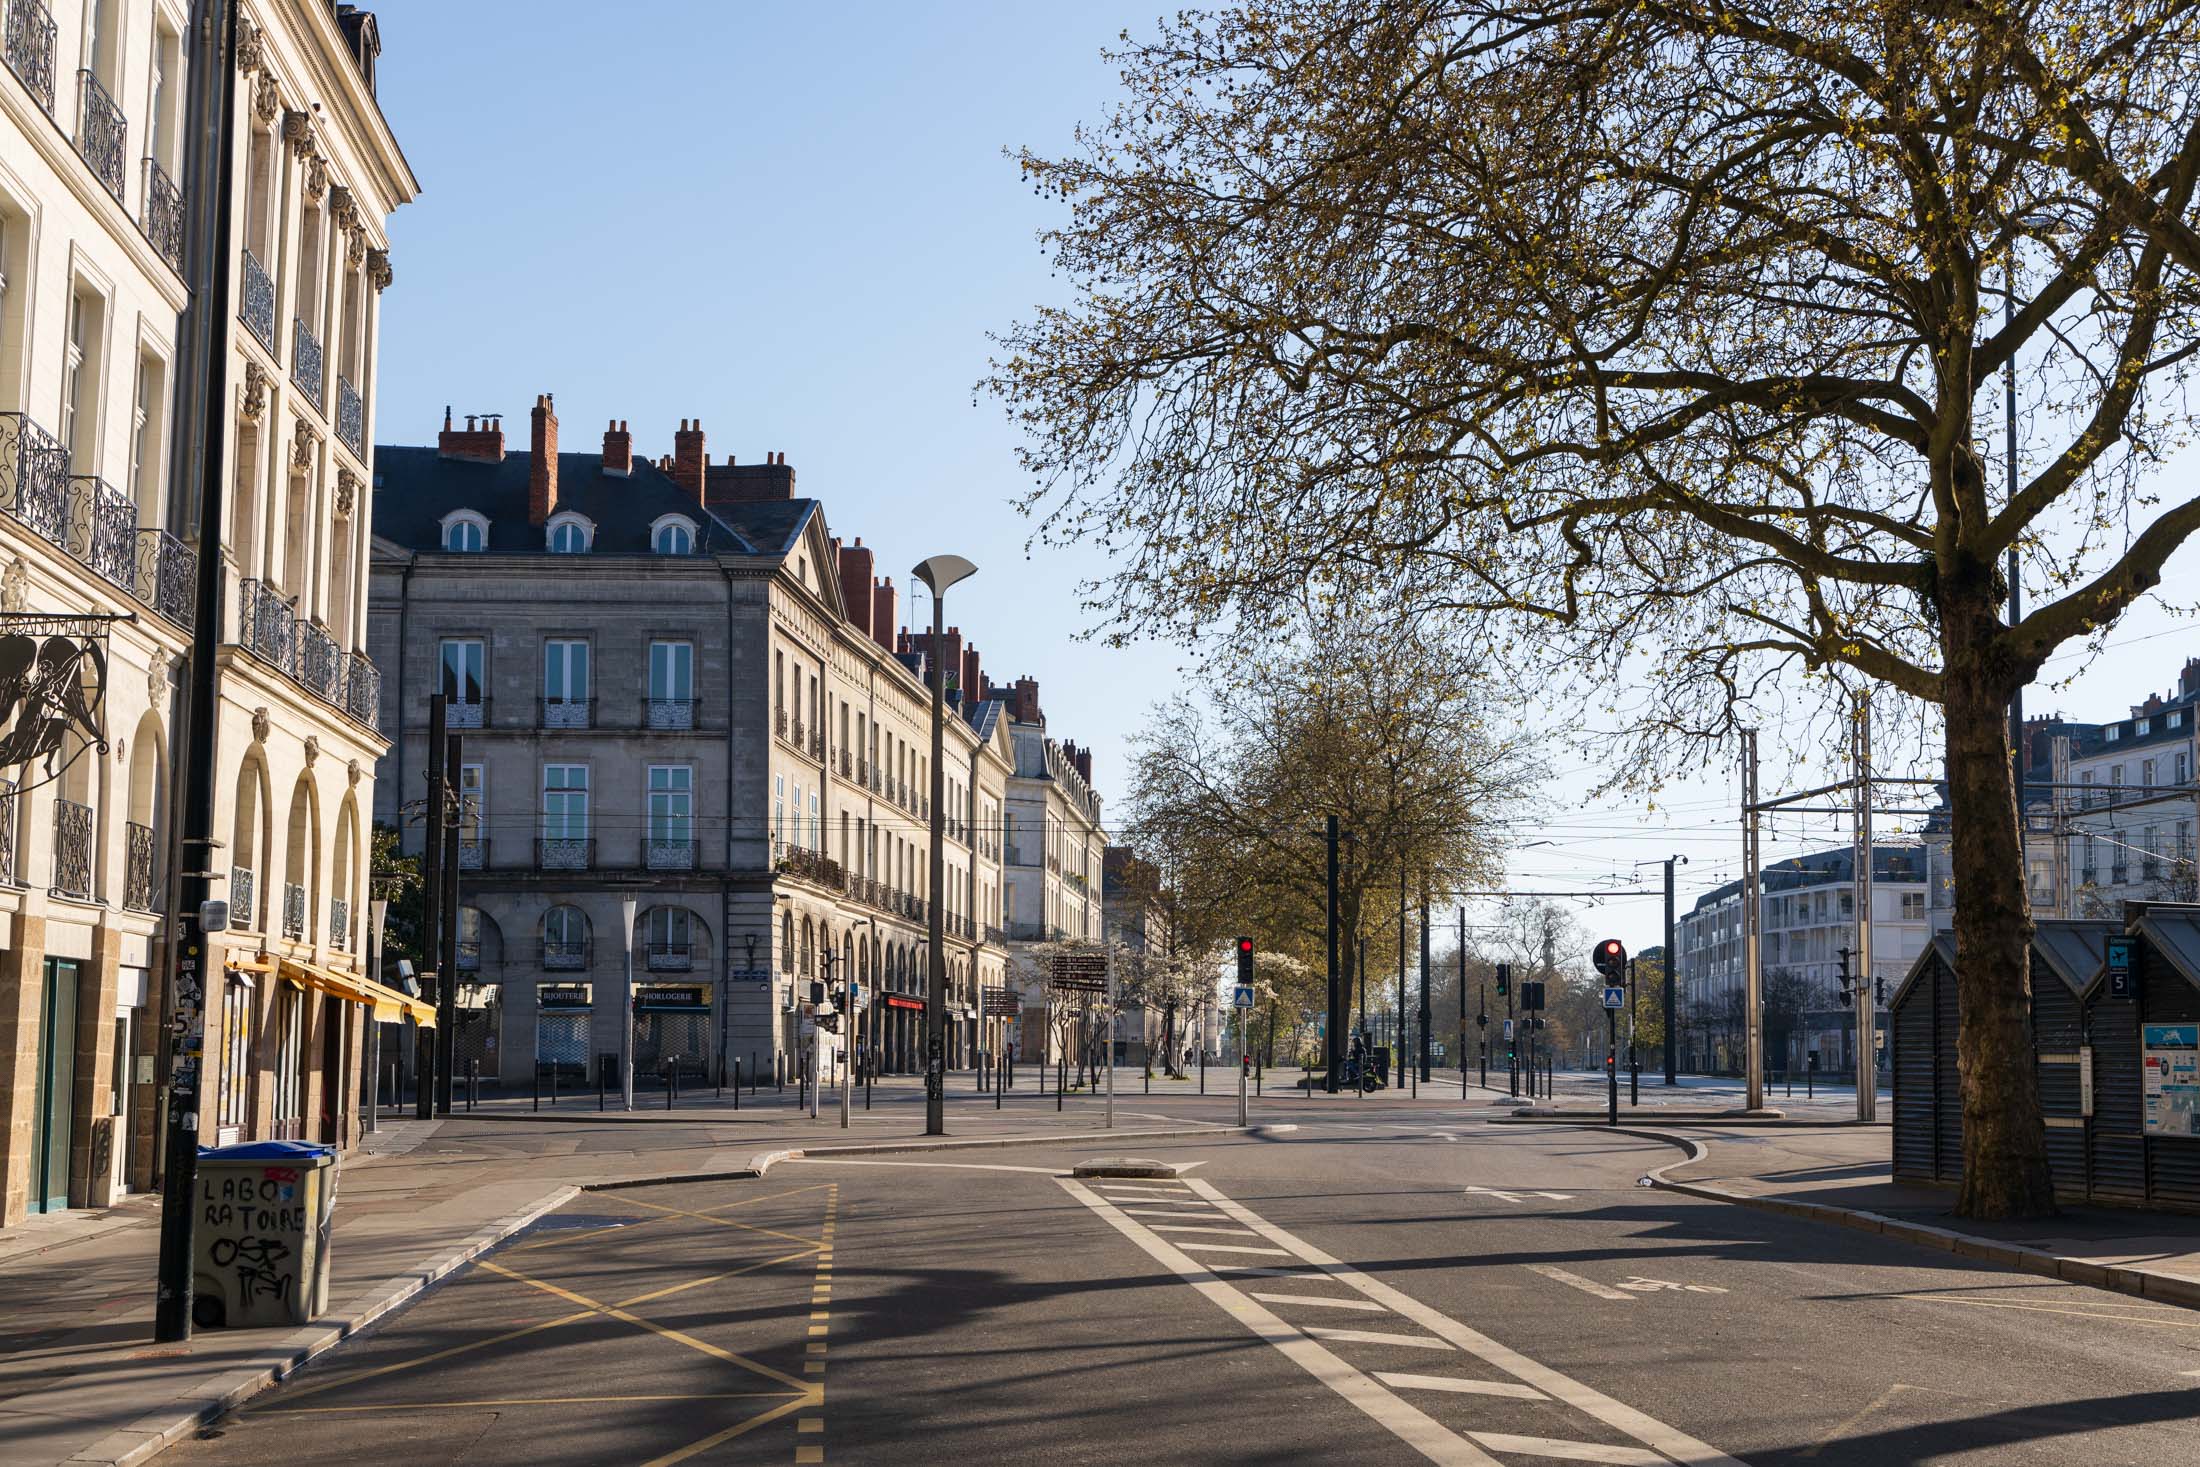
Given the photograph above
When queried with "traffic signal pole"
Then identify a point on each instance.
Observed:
(1332, 1047)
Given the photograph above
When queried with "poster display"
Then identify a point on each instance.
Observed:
(2169, 1058)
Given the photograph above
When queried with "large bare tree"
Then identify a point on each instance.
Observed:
(1661, 339)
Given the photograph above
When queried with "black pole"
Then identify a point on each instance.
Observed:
(1671, 962)
(202, 423)
(431, 893)
(1462, 1003)
(1611, 1067)
(446, 1032)
(935, 1011)
(1398, 1059)
(1333, 1048)
(1424, 1016)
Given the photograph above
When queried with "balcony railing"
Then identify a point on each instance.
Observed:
(168, 577)
(30, 49)
(469, 955)
(34, 473)
(102, 135)
(671, 957)
(72, 849)
(779, 722)
(351, 417)
(306, 367)
(2118, 874)
(798, 737)
(363, 690)
(465, 715)
(668, 712)
(473, 855)
(257, 310)
(7, 832)
(670, 855)
(294, 911)
(564, 957)
(137, 867)
(339, 924)
(564, 854)
(847, 765)
(995, 937)
(567, 712)
(103, 529)
(240, 899)
(817, 745)
(161, 215)
(809, 865)
(320, 663)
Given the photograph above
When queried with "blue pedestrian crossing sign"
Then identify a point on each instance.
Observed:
(1241, 996)
(1615, 997)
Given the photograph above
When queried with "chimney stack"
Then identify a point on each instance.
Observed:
(856, 565)
(973, 684)
(731, 483)
(690, 464)
(1024, 702)
(885, 612)
(618, 449)
(542, 465)
(484, 444)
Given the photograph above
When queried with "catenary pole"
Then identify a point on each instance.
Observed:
(426, 1046)
(1753, 977)
(1332, 1047)
(1672, 963)
(938, 573)
(446, 1019)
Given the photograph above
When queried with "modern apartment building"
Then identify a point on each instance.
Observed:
(98, 563)
(676, 689)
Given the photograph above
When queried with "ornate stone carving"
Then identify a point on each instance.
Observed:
(156, 684)
(313, 749)
(255, 390)
(347, 492)
(379, 270)
(302, 442)
(298, 132)
(260, 724)
(355, 249)
(352, 773)
(251, 46)
(15, 586)
(343, 207)
(316, 178)
(266, 101)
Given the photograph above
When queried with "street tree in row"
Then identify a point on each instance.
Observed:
(1661, 341)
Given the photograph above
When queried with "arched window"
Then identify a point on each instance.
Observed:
(568, 539)
(465, 533)
(673, 536)
(565, 938)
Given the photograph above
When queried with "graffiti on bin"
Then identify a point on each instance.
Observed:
(261, 1265)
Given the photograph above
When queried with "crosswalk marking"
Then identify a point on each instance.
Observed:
(1543, 1446)
(1403, 1381)
(1375, 1337)
(1316, 1301)
(1231, 1248)
(1184, 1212)
(1190, 1228)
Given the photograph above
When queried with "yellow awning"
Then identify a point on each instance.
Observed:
(388, 1004)
(259, 963)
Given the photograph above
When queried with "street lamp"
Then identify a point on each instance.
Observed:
(938, 573)
(626, 1005)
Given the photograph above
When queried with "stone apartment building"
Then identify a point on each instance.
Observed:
(1054, 851)
(674, 686)
(91, 287)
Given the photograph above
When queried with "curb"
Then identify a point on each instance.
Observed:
(217, 1395)
(2144, 1283)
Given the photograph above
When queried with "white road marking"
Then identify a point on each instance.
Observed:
(1232, 1248)
(1268, 1273)
(1183, 1212)
(1318, 1302)
(1640, 1285)
(1375, 1337)
(1576, 1281)
(1543, 1446)
(1517, 1196)
(1458, 1386)
(1187, 1228)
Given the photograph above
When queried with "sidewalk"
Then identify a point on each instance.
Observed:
(1843, 1175)
(81, 1380)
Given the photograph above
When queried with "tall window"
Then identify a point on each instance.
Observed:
(565, 671)
(668, 930)
(472, 809)
(79, 383)
(779, 807)
(671, 671)
(565, 802)
(146, 437)
(794, 832)
(671, 804)
(462, 672)
(236, 1075)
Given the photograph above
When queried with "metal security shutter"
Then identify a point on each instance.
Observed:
(2055, 1039)
(1947, 1085)
(1914, 1120)
(2119, 1166)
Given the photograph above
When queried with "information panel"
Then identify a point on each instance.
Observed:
(2169, 1055)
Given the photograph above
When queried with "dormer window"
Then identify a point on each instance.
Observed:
(570, 534)
(465, 533)
(672, 535)
(2146, 726)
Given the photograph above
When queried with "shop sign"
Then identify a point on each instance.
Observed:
(897, 1001)
(562, 996)
(53, 694)
(658, 998)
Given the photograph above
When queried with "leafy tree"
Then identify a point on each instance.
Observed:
(1660, 341)
(395, 878)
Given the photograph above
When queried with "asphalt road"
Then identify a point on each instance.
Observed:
(1380, 1286)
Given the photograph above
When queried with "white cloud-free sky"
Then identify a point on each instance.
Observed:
(797, 223)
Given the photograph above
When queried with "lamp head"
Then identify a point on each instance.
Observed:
(942, 571)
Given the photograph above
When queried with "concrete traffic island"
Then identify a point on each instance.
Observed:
(1126, 1166)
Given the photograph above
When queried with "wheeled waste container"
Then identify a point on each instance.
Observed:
(262, 1234)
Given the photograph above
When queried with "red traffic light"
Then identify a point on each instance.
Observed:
(1611, 957)
(1245, 944)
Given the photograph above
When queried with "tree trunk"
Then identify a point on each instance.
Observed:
(2005, 1171)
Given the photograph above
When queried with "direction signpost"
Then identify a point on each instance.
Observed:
(1088, 972)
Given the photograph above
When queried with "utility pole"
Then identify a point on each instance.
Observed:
(1752, 917)
(1398, 1058)
(1332, 1045)
(1423, 1019)
(446, 1020)
(202, 422)
(1867, 1014)
(1672, 962)
(1463, 1005)
(427, 1046)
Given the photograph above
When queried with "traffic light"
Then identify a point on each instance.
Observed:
(1611, 958)
(817, 991)
(1879, 992)
(1245, 959)
(1504, 979)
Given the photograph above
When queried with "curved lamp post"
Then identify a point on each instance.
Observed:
(938, 573)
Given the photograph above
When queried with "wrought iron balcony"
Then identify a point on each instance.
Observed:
(103, 529)
(567, 712)
(30, 49)
(847, 764)
(564, 854)
(671, 957)
(7, 832)
(294, 911)
(266, 624)
(240, 899)
(363, 690)
(473, 855)
(72, 849)
(779, 722)
(995, 937)
(351, 417)
(161, 215)
(102, 135)
(564, 957)
(34, 474)
(2118, 874)
(137, 867)
(339, 924)
(798, 737)
(670, 855)
(257, 308)
(306, 365)
(168, 577)
(320, 662)
(672, 713)
(809, 865)
(817, 745)
(465, 715)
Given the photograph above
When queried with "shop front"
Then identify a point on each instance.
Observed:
(672, 1032)
(561, 1029)
(905, 1033)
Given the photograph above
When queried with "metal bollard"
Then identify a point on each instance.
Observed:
(538, 1088)
(1061, 1079)
(1203, 1069)
(669, 1071)
(473, 1083)
(1000, 1071)
(603, 1082)
(737, 1082)
(553, 1086)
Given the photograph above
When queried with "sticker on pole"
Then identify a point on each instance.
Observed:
(1241, 996)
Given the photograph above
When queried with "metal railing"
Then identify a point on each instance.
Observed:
(339, 924)
(30, 49)
(670, 855)
(568, 712)
(103, 529)
(351, 417)
(34, 476)
(668, 713)
(469, 955)
(168, 577)
(102, 134)
(306, 367)
(240, 899)
(809, 865)
(847, 764)
(671, 957)
(797, 737)
(565, 957)
(473, 855)
(72, 849)
(256, 307)
(161, 215)
(320, 662)
(137, 867)
(294, 911)
(266, 624)
(994, 936)
(465, 715)
(363, 690)
(7, 832)
(817, 745)
(779, 722)
(564, 854)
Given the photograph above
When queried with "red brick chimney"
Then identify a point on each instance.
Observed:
(542, 463)
(1023, 703)
(2188, 681)
(690, 464)
(856, 564)
(885, 611)
(484, 444)
(618, 449)
(973, 684)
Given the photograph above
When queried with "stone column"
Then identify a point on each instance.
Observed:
(93, 1139)
(22, 1000)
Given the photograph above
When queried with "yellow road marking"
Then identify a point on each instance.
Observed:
(1842, 1431)
(740, 1429)
(2050, 1309)
(725, 1222)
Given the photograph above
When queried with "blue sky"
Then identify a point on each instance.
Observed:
(797, 223)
